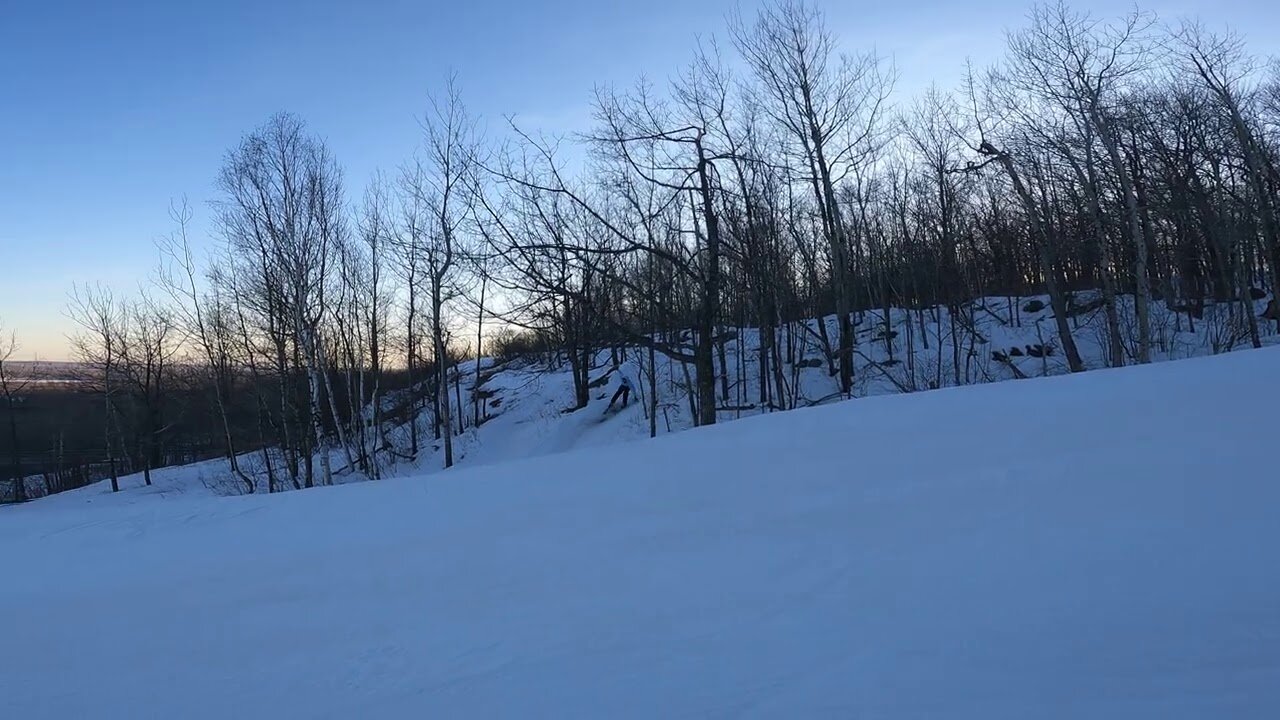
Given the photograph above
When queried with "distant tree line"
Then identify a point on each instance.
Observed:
(772, 181)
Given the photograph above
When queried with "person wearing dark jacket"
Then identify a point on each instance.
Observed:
(623, 391)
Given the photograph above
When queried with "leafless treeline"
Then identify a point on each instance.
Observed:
(777, 178)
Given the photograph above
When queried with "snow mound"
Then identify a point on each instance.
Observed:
(1099, 546)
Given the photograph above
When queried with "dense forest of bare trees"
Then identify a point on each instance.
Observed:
(1128, 166)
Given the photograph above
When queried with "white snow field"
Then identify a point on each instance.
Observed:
(1095, 546)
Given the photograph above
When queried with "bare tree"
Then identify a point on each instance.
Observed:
(1081, 65)
(98, 346)
(203, 321)
(437, 189)
(282, 218)
(1224, 68)
(150, 340)
(12, 386)
(1044, 241)
(373, 299)
(830, 104)
(673, 148)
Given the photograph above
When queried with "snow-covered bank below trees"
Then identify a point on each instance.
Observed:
(524, 401)
(1098, 545)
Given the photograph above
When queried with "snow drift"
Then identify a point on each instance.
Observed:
(1096, 546)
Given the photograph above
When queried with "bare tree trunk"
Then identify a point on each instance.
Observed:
(476, 399)
(338, 425)
(1047, 255)
(1088, 180)
(1142, 279)
(326, 472)
(704, 367)
(106, 427)
(445, 417)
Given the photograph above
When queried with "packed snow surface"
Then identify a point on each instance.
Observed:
(1095, 546)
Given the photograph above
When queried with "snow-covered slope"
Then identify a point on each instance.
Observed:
(1097, 546)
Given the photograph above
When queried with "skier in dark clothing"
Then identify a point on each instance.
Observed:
(623, 391)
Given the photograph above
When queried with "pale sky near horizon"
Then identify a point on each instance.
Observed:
(108, 111)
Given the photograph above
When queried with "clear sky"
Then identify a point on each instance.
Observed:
(110, 110)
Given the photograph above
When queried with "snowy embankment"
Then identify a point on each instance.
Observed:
(524, 403)
(1099, 546)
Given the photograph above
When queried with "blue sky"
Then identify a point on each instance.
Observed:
(110, 110)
